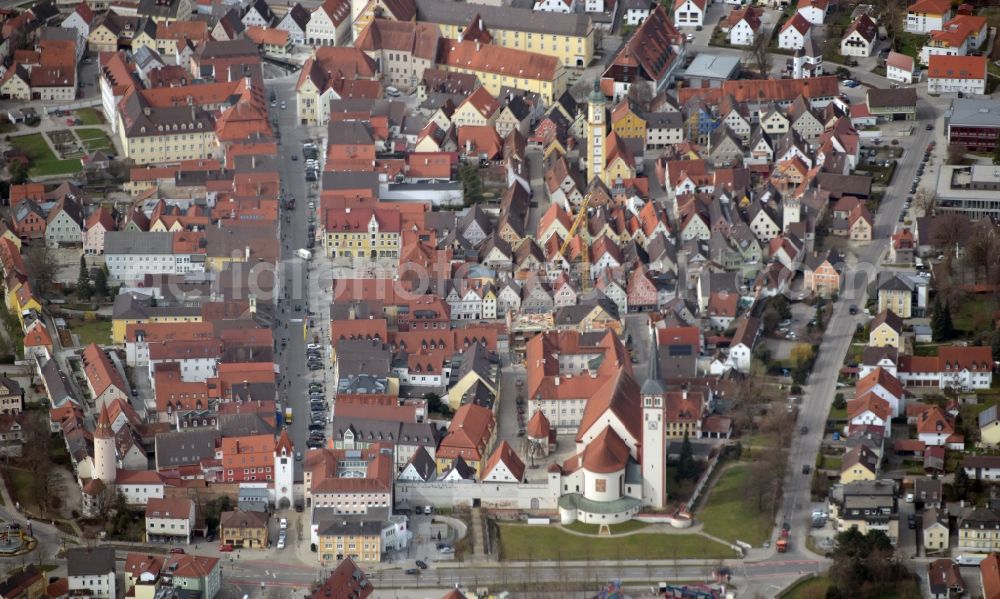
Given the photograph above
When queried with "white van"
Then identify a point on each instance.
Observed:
(304, 254)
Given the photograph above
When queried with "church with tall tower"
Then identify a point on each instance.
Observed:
(619, 467)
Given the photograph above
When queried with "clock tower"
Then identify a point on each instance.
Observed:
(654, 446)
(595, 132)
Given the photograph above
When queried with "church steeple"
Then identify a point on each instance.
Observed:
(654, 385)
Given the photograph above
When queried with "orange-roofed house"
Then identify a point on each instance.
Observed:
(924, 16)
(272, 42)
(97, 224)
(200, 572)
(989, 576)
(498, 67)
(619, 162)
(362, 233)
(37, 341)
(870, 410)
(470, 436)
(326, 75)
(882, 384)
(935, 427)
(249, 458)
(504, 466)
(479, 142)
(104, 381)
(478, 108)
(950, 74)
(962, 368)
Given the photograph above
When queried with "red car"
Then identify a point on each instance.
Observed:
(226, 548)
(70, 122)
(177, 550)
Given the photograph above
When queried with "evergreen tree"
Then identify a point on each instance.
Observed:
(961, 483)
(941, 325)
(83, 290)
(101, 282)
(686, 468)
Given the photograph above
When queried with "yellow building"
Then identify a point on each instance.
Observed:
(244, 529)
(567, 37)
(894, 294)
(626, 122)
(979, 532)
(497, 67)
(104, 37)
(165, 134)
(859, 464)
(886, 330)
(362, 233)
(620, 163)
(132, 309)
(361, 540)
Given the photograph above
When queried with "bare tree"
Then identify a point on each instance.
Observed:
(890, 16)
(758, 53)
(956, 153)
(923, 200)
(42, 266)
(640, 94)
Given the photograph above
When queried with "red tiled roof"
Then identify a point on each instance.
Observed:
(505, 453)
(956, 67)
(935, 7)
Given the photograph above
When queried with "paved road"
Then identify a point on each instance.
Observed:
(295, 275)
(821, 388)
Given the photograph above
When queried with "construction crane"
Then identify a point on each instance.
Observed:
(581, 217)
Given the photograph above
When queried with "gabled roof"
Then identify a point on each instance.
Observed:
(887, 317)
(869, 402)
(800, 23)
(505, 454)
(865, 27)
(883, 378)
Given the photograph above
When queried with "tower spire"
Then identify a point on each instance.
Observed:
(654, 383)
(104, 430)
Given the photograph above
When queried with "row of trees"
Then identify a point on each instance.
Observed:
(87, 288)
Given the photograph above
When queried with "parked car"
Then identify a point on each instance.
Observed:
(177, 550)
(226, 548)
(411, 572)
(283, 524)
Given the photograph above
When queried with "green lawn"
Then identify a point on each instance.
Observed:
(525, 542)
(616, 529)
(43, 161)
(973, 315)
(94, 139)
(94, 331)
(19, 485)
(728, 515)
(89, 116)
(910, 44)
(808, 588)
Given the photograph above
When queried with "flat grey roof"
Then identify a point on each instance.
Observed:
(974, 112)
(712, 66)
(135, 242)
